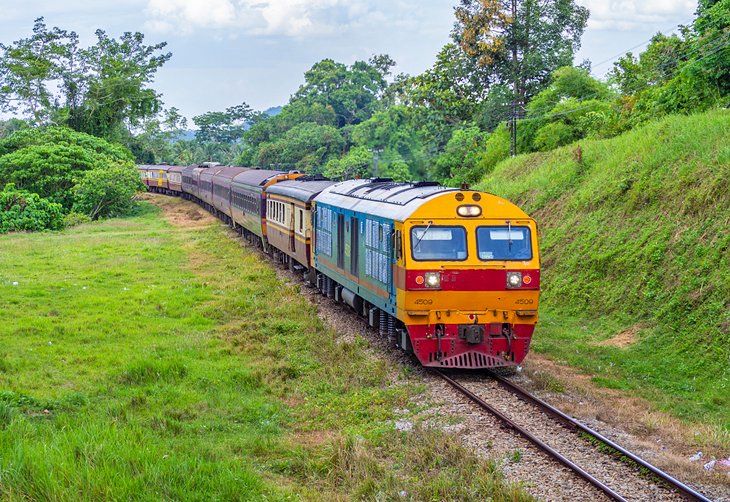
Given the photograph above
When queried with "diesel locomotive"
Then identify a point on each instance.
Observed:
(450, 275)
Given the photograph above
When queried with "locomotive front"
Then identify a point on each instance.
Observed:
(467, 278)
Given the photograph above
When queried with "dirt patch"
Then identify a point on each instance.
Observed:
(625, 338)
(181, 213)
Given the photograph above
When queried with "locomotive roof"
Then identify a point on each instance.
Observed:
(381, 196)
(303, 189)
(189, 170)
(256, 177)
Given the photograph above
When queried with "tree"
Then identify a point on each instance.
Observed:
(351, 92)
(451, 88)
(356, 164)
(521, 41)
(101, 90)
(29, 67)
(224, 127)
(460, 158)
(107, 191)
(115, 83)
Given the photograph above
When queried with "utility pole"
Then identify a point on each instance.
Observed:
(376, 153)
(513, 138)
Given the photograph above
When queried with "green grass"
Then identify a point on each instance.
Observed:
(144, 361)
(637, 235)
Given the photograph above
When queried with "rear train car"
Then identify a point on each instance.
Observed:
(452, 275)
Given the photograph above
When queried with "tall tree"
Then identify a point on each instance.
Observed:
(101, 90)
(521, 41)
(351, 92)
(224, 127)
(30, 67)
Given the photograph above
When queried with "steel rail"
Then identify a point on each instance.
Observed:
(533, 439)
(685, 490)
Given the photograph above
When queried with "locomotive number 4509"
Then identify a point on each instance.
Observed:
(524, 301)
(423, 301)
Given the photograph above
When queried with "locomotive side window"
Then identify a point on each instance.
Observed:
(432, 243)
(504, 243)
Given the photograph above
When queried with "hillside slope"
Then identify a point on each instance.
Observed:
(636, 254)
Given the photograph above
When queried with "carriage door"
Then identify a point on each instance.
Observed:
(354, 245)
(341, 241)
(292, 227)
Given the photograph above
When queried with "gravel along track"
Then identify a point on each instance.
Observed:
(626, 480)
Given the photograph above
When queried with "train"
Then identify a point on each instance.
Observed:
(450, 275)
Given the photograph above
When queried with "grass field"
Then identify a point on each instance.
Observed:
(150, 361)
(636, 260)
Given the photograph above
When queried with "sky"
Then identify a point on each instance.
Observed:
(226, 52)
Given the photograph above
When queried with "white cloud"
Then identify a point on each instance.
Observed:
(255, 17)
(628, 15)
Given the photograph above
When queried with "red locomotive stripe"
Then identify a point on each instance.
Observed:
(471, 279)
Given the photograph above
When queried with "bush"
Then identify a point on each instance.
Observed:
(496, 149)
(107, 191)
(21, 210)
(48, 161)
(554, 135)
(72, 219)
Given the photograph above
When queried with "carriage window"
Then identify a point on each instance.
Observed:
(504, 243)
(438, 243)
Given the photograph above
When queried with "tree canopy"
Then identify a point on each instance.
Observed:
(520, 41)
(101, 90)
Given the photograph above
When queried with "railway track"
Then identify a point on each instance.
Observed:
(564, 421)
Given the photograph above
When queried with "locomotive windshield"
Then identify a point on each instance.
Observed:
(504, 243)
(438, 243)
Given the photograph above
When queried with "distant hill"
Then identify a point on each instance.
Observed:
(189, 134)
(636, 240)
(274, 110)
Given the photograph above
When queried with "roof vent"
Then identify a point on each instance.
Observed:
(380, 180)
(313, 177)
(419, 184)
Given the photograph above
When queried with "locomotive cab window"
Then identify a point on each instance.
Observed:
(431, 243)
(504, 243)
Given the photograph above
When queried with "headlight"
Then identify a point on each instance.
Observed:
(514, 280)
(433, 279)
(469, 210)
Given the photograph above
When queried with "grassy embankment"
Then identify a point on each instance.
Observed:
(636, 259)
(144, 361)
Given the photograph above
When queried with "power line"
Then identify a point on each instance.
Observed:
(716, 48)
(673, 28)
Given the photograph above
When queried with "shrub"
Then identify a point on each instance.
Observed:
(72, 219)
(21, 210)
(48, 161)
(107, 191)
(554, 135)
